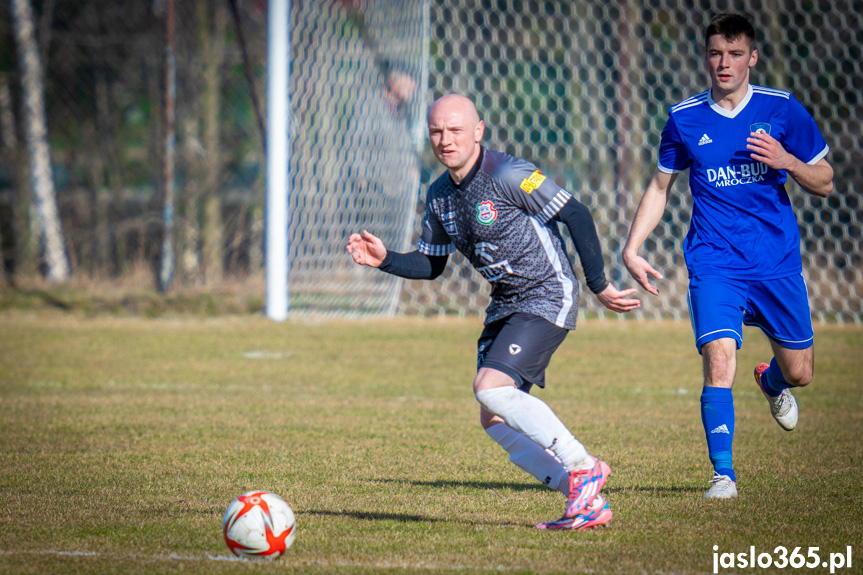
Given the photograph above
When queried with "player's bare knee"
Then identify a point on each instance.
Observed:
(487, 378)
(720, 364)
(480, 382)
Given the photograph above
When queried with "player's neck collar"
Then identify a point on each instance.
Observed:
(737, 109)
(469, 178)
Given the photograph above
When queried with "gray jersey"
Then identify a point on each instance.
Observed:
(500, 218)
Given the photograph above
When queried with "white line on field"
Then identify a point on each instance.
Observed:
(120, 555)
(176, 557)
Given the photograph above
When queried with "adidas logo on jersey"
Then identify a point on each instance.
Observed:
(705, 139)
(721, 429)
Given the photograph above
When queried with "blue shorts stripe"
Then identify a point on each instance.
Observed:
(720, 307)
(714, 335)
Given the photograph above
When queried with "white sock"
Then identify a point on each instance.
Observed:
(539, 462)
(534, 419)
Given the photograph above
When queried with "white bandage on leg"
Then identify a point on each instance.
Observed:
(535, 420)
(539, 462)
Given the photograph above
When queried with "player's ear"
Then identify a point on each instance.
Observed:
(753, 58)
(479, 131)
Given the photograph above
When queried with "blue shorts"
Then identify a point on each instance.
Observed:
(719, 307)
(519, 345)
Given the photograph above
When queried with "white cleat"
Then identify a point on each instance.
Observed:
(783, 407)
(722, 488)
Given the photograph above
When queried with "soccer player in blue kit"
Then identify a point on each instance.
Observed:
(740, 143)
(502, 214)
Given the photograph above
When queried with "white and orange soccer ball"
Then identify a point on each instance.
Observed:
(259, 524)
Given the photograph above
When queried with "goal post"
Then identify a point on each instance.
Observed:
(278, 158)
(357, 84)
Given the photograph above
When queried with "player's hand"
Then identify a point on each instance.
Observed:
(617, 300)
(366, 249)
(640, 271)
(767, 149)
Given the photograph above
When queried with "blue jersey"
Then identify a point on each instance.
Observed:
(742, 224)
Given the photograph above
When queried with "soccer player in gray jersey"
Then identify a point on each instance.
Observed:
(502, 213)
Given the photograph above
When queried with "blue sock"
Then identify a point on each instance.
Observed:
(772, 380)
(717, 415)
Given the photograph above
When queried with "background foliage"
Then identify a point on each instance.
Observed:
(580, 88)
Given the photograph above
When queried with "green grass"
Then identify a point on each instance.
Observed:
(122, 441)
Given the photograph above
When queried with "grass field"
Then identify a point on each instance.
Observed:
(123, 440)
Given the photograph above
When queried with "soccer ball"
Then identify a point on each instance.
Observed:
(259, 524)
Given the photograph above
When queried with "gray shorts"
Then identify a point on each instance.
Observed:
(520, 345)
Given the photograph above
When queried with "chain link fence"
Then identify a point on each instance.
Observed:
(581, 88)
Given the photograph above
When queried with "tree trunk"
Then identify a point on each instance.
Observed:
(212, 45)
(256, 226)
(24, 256)
(166, 268)
(190, 236)
(153, 64)
(110, 167)
(41, 179)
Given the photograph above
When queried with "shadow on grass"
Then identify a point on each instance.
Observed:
(467, 484)
(371, 515)
(652, 489)
(404, 518)
(536, 486)
(408, 518)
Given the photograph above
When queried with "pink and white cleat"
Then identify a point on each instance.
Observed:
(597, 514)
(584, 485)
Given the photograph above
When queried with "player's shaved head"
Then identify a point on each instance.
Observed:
(455, 131)
(455, 104)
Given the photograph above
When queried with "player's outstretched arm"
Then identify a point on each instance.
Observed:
(369, 250)
(617, 300)
(647, 217)
(366, 249)
(816, 179)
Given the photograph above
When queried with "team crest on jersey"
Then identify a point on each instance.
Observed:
(760, 127)
(532, 182)
(485, 213)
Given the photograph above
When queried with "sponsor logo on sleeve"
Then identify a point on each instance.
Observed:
(532, 182)
(449, 225)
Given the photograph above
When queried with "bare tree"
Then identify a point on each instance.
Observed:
(212, 45)
(200, 227)
(166, 268)
(24, 256)
(36, 133)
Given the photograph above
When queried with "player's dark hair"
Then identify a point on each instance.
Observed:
(730, 26)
